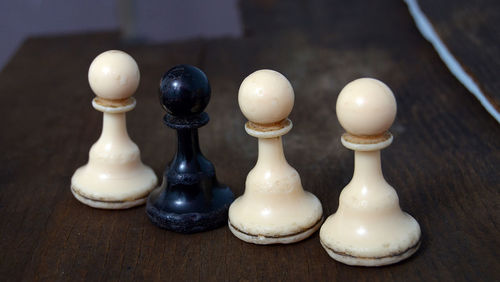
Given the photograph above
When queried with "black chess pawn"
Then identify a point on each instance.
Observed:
(190, 199)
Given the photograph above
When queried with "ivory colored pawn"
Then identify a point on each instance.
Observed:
(274, 208)
(369, 227)
(114, 177)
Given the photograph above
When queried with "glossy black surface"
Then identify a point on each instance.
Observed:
(190, 198)
(184, 90)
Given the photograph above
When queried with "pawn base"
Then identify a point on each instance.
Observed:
(112, 205)
(370, 261)
(90, 188)
(187, 222)
(280, 239)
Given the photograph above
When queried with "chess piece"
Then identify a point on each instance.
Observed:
(274, 208)
(114, 177)
(369, 228)
(190, 199)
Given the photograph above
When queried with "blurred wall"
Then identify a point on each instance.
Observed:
(22, 18)
(166, 20)
(140, 21)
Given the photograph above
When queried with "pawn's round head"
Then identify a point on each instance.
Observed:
(184, 90)
(114, 75)
(265, 97)
(366, 107)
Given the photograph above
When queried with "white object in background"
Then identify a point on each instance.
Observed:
(453, 65)
(274, 208)
(114, 177)
(369, 227)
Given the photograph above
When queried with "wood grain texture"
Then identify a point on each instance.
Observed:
(443, 162)
(471, 32)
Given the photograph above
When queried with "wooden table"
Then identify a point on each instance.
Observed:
(444, 161)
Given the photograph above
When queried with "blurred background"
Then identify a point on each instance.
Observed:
(151, 21)
(469, 46)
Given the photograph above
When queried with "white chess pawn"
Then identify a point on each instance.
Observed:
(114, 177)
(274, 208)
(369, 228)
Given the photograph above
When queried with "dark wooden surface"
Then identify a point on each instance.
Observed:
(443, 163)
(471, 32)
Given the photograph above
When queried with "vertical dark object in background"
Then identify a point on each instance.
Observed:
(127, 17)
(190, 199)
